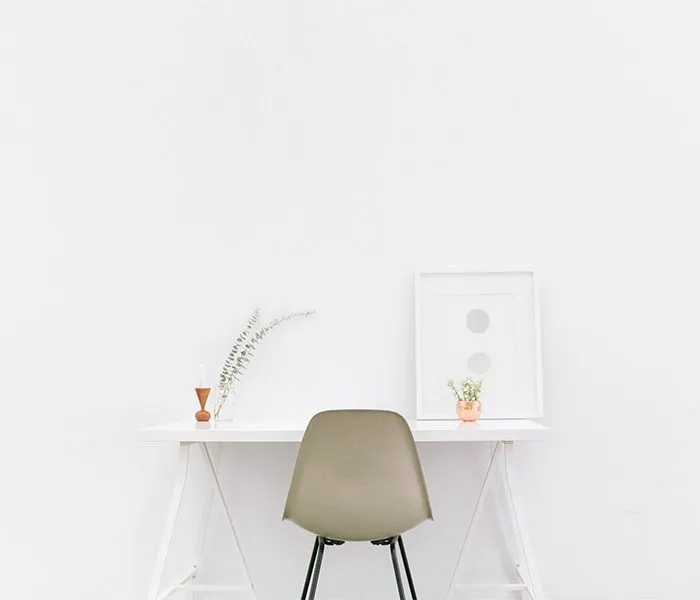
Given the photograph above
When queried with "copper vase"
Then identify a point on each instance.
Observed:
(469, 411)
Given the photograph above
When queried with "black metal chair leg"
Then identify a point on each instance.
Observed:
(407, 569)
(317, 568)
(397, 572)
(311, 569)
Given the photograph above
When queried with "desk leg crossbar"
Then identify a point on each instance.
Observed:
(523, 556)
(185, 583)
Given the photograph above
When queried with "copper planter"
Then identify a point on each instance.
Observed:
(469, 411)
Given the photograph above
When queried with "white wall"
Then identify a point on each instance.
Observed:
(165, 166)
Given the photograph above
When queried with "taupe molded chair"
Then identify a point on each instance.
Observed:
(357, 478)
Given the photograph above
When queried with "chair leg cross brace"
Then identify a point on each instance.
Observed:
(530, 582)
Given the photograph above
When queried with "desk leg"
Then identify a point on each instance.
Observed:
(531, 573)
(522, 554)
(170, 520)
(249, 585)
(505, 518)
(203, 526)
(475, 515)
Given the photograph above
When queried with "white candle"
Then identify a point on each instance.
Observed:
(202, 375)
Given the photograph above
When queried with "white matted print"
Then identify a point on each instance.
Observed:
(480, 324)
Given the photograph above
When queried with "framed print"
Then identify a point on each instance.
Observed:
(482, 324)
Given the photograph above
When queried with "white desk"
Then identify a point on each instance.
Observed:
(500, 433)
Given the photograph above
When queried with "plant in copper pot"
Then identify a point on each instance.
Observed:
(467, 393)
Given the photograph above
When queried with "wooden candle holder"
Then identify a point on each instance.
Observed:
(202, 395)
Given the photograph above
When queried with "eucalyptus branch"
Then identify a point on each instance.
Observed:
(242, 351)
(228, 372)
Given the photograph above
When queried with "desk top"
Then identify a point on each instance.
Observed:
(292, 431)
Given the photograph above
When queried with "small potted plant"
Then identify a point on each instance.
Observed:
(467, 394)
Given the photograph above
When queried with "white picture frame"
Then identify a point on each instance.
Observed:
(501, 313)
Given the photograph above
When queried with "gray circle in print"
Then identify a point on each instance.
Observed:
(478, 320)
(479, 363)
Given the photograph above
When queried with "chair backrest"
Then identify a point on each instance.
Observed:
(358, 477)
